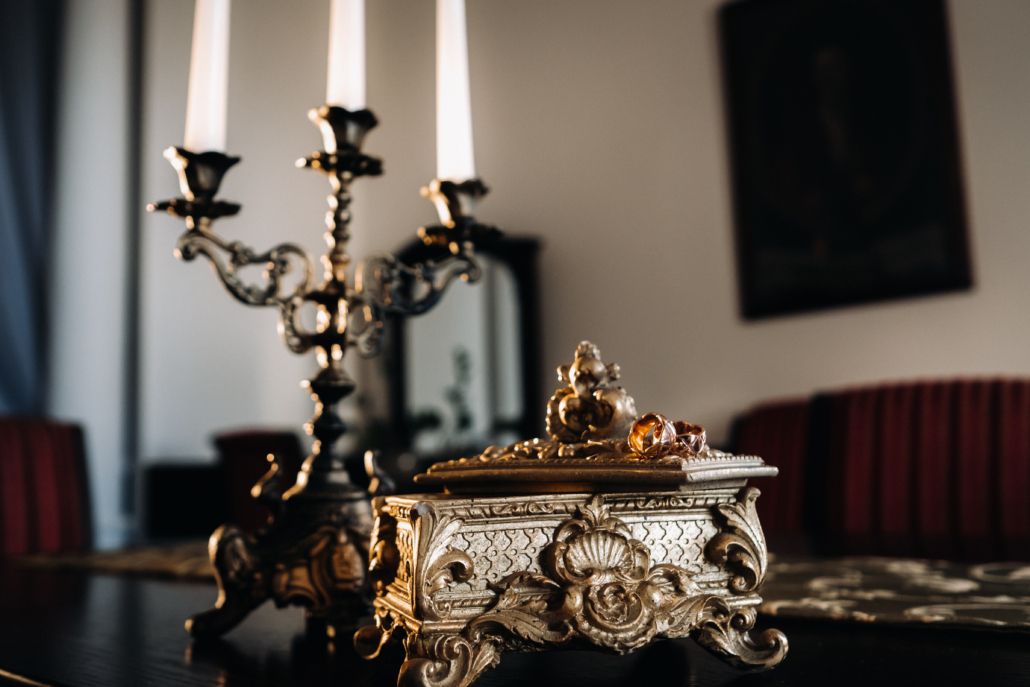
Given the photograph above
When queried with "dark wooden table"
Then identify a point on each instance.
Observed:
(71, 630)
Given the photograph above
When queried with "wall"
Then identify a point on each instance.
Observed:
(88, 314)
(599, 125)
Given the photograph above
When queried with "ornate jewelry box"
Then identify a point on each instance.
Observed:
(583, 540)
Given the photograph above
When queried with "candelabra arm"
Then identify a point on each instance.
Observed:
(386, 286)
(200, 175)
(200, 240)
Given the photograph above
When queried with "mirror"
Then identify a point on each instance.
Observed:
(466, 374)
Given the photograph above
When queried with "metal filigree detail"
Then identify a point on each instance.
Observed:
(609, 594)
(727, 633)
(439, 565)
(684, 556)
(590, 408)
(742, 549)
(504, 580)
(447, 661)
(323, 571)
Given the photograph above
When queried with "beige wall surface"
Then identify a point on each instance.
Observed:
(90, 249)
(599, 125)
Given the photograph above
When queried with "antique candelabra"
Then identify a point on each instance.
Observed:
(314, 550)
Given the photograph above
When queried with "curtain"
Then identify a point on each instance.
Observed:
(29, 59)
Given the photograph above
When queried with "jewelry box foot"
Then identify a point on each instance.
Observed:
(729, 634)
(446, 661)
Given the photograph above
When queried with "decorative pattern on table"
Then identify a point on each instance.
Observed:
(992, 596)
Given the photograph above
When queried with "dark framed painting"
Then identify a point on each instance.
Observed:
(844, 148)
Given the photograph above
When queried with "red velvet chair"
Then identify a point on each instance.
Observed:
(934, 469)
(44, 493)
(778, 432)
(244, 458)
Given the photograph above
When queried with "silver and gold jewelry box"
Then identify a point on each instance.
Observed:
(613, 532)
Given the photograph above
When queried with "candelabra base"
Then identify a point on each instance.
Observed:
(313, 554)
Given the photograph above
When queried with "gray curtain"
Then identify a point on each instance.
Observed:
(29, 61)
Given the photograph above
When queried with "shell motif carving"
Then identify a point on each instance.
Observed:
(596, 549)
(598, 555)
(599, 588)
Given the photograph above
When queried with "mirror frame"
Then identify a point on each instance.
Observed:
(520, 254)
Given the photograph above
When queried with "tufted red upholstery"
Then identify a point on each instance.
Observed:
(778, 432)
(44, 497)
(937, 469)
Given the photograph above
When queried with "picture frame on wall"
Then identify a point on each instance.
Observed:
(844, 149)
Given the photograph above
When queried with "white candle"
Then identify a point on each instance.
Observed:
(454, 159)
(209, 78)
(346, 83)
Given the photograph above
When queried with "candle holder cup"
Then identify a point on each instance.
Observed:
(314, 551)
(200, 175)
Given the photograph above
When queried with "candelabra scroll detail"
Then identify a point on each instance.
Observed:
(200, 176)
(386, 286)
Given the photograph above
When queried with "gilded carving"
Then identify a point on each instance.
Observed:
(589, 582)
(727, 632)
(593, 418)
(590, 408)
(742, 548)
(447, 661)
(439, 565)
(603, 590)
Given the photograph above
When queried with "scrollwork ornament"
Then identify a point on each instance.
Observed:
(590, 408)
(440, 566)
(575, 575)
(608, 595)
(728, 633)
(447, 661)
(594, 422)
(595, 587)
(742, 549)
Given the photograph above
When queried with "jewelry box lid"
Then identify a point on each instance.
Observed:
(597, 442)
